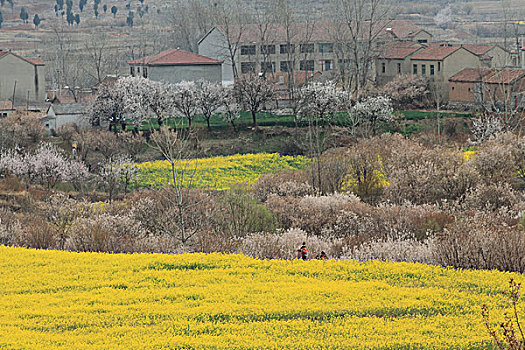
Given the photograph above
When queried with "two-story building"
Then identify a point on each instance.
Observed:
(22, 80)
(174, 66)
(436, 61)
(307, 47)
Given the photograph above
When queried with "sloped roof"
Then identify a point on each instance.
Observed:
(6, 106)
(398, 50)
(33, 61)
(470, 75)
(174, 57)
(320, 31)
(69, 108)
(36, 61)
(436, 52)
(505, 76)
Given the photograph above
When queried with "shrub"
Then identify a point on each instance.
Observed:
(409, 250)
(483, 241)
(36, 232)
(105, 233)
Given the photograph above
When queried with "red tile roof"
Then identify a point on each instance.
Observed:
(505, 76)
(478, 49)
(174, 57)
(6, 106)
(36, 61)
(436, 52)
(398, 50)
(470, 75)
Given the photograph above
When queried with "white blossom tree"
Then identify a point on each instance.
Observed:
(210, 96)
(231, 109)
(486, 125)
(374, 109)
(46, 166)
(116, 174)
(253, 93)
(185, 99)
(320, 100)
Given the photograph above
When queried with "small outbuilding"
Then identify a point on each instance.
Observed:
(66, 113)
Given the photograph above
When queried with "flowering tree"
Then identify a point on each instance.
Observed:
(210, 96)
(320, 100)
(107, 107)
(47, 166)
(231, 107)
(116, 173)
(486, 125)
(374, 109)
(185, 99)
(253, 92)
(408, 90)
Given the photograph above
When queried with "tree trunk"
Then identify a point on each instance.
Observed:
(254, 117)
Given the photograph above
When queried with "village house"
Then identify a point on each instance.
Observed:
(22, 80)
(489, 87)
(320, 47)
(437, 61)
(174, 66)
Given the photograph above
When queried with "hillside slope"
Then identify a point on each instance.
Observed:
(61, 300)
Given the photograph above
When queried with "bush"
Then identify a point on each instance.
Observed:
(483, 241)
(409, 250)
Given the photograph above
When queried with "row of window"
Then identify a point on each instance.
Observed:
(144, 71)
(247, 50)
(415, 69)
(286, 66)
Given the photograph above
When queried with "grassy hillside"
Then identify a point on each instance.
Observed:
(60, 300)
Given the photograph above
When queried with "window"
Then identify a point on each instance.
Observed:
(145, 72)
(423, 69)
(132, 71)
(268, 67)
(414, 69)
(248, 50)
(422, 41)
(307, 48)
(383, 67)
(399, 68)
(439, 66)
(431, 69)
(452, 88)
(307, 65)
(268, 49)
(286, 66)
(326, 48)
(247, 67)
(138, 70)
(287, 48)
(326, 65)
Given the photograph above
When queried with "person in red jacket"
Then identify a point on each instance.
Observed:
(303, 252)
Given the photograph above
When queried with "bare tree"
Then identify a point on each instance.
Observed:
(230, 17)
(101, 58)
(365, 21)
(175, 148)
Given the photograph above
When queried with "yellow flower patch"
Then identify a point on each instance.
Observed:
(61, 300)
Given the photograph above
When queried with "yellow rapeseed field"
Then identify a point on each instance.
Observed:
(218, 172)
(62, 300)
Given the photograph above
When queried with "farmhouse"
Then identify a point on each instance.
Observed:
(174, 66)
(492, 87)
(22, 79)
